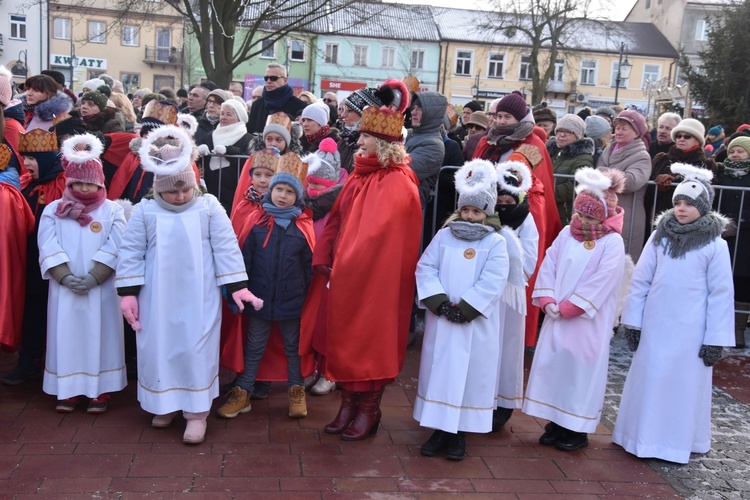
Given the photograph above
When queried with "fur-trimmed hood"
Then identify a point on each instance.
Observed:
(59, 104)
(135, 146)
(583, 146)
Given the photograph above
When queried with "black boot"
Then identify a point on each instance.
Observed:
(552, 432)
(27, 368)
(456, 446)
(571, 440)
(500, 417)
(437, 443)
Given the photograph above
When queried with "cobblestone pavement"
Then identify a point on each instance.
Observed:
(722, 473)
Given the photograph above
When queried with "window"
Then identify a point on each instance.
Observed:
(18, 27)
(651, 72)
(130, 35)
(164, 46)
(416, 60)
(388, 57)
(130, 81)
(524, 70)
(297, 50)
(559, 74)
(496, 68)
(588, 72)
(613, 77)
(269, 49)
(463, 62)
(332, 53)
(360, 55)
(61, 28)
(701, 30)
(648, 4)
(97, 32)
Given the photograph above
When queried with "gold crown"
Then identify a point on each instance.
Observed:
(292, 164)
(383, 123)
(266, 158)
(280, 118)
(411, 82)
(164, 112)
(37, 141)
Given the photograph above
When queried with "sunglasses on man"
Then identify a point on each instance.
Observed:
(328, 100)
(271, 78)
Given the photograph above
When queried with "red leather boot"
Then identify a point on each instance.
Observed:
(348, 410)
(367, 420)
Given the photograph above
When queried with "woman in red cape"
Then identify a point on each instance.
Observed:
(367, 254)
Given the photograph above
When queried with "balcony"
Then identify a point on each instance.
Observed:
(163, 56)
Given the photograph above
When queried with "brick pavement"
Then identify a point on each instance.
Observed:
(268, 455)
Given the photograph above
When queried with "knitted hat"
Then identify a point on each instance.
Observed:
(692, 127)
(105, 89)
(168, 162)
(597, 127)
(239, 109)
(317, 112)
(597, 191)
(716, 130)
(635, 119)
(81, 160)
(285, 178)
(360, 99)
(545, 114)
(55, 75)
(479, 119)
(476, 183)
(99, 99)
(222, 95)
(93, 84)
(513, 179)
(185, 178)
(324, 165)
(383, 123)
(6, 88)
(696, 188)
(267, 158)
(515, 104)
(474, 106)
(742, 141)
(279, 123)
(605, 111)
(572, 123)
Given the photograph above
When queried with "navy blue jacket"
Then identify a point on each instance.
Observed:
(280, 273)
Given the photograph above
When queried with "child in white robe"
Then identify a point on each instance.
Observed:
(78, 238)
(513, 180)
(460, 279)
(178, 249)
(577, 289)
(678, 316)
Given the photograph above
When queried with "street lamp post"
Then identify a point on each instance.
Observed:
(475, 88)
(623, 70)
(21, 68)
(72, 62)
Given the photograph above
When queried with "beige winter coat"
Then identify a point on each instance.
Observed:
(634, 161)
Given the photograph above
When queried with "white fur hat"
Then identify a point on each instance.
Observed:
(476, 183)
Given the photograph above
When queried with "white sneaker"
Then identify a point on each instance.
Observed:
(322, 386)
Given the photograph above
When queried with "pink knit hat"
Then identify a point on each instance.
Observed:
(6, 89)
(183, 179)
(597, 192)
(81, 160)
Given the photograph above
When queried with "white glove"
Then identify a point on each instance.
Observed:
(552, 310)
(220, 150)
(203, 150)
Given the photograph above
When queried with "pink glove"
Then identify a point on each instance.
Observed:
(552, 310)
(129, 308)
(246, 295)
(570, 310)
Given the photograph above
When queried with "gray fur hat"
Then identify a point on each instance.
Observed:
(476, 183)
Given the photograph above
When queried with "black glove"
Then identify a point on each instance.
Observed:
(632, 335)
(711, 354)
(443, 309)
(454, 315)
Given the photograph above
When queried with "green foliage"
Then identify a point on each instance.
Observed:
(722, 84)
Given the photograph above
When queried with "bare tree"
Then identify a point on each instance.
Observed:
(547, 28)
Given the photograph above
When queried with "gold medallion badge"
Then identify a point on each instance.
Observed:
(589, 245)
(95, 226)
(470, 253)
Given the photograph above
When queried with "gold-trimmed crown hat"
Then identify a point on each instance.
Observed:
(281, 124)
(267, 158)
(37, 141)
(292, 164)
(383, 123)
(164, 112)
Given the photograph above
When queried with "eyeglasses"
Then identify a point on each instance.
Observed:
(491, 115)
(562, 131)
(683, 136)
(328, 100)
(212, 101)
(271, 78)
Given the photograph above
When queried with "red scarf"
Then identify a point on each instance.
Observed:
(591, 232)
(317, 136)
(77, 205)
(364, 165)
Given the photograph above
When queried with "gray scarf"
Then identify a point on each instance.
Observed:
(678, 239)
(176, 208)
(469, 231)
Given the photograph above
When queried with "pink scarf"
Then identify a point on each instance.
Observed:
(77, 205)
(591, 232)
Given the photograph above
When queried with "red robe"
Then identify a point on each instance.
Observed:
(543, 207)
(44, 193)
(243, 184)
(16, 224)
(371, 241)
(13, 131)
(273, 366)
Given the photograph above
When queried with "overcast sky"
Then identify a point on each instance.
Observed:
(616, 9)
